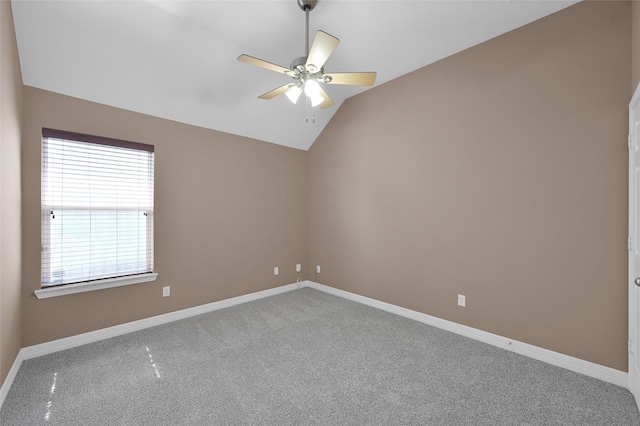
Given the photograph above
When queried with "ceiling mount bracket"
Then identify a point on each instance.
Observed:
(307, 5)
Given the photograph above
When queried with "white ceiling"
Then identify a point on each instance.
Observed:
(177, 59)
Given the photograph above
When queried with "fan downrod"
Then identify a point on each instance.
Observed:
(307, 5)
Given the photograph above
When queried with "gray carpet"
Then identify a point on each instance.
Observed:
(304, 358)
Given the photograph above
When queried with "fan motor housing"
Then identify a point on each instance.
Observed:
(298, 62)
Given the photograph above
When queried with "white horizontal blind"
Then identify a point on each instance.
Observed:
(97, 208)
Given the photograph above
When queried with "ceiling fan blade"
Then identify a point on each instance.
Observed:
(353, 78)
(328, 102)
(275, 92)
(323, 46)
(263, 64)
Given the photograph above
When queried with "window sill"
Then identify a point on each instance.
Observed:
(64, 290)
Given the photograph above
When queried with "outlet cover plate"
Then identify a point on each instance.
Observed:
(462, 300)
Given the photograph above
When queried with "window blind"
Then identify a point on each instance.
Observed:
(97, 208)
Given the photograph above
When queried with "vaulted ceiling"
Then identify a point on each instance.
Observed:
(177, 59)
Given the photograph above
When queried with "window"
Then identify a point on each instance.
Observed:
(97, 209)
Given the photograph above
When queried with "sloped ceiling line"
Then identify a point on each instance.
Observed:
(177, 59)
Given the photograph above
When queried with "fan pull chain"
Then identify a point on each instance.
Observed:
(313, 117)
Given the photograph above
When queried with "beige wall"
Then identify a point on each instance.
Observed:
(227, 210)
(635, 43)
(10, 125)
(499, 173)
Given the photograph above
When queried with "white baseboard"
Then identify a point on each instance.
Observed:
(118, 330)
(577, 365)
(8, 381)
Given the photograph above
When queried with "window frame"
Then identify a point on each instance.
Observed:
(100, 283)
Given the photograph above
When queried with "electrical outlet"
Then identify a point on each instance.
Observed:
(462, 300)
(318, 269)
(276, 271)
(298, 267)
(166, 291)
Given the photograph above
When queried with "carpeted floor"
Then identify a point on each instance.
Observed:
(304, 358)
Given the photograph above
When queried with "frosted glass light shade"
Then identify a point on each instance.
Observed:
(311, 88)
(293, 94)
(316, 99)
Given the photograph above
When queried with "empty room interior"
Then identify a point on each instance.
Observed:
(481, 185)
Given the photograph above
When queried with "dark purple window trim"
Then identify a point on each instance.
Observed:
(79, 137)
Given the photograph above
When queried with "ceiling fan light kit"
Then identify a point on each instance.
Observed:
(308, 71)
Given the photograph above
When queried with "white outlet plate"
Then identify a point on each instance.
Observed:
(298, 267)
(462, 300)
(166, 291)
(318, 269)
(276, 270)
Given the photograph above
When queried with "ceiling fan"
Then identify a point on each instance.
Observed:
(308, 71)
